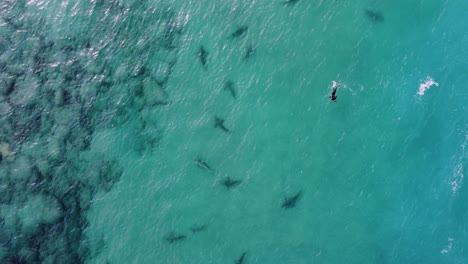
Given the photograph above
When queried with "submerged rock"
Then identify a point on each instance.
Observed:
(39, 209)
(5, 110)
(21, 168)
(6, 153)
(161, 72)
(25, 91)
(56, 90)
(101, 174)
(9, 219)
(154, 94)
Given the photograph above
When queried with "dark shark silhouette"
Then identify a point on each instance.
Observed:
(203, 55)
(198, 228)
(249, 52)
(229, 183)
(290, 202)
(291, 2)
(239, 33)
(171, 237)
(219, 123)
(241, 259)
(375, 16)
(229, 86)
(202, 164)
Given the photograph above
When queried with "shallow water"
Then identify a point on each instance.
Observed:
(106, 106)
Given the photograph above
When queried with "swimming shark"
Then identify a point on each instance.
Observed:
(198, 228)
(241, 259)
(228, 182)
(249, 52)
(290, 202)
(375, 16)
(229, 86)
(288, 2)
(203, 55)
(171, 238)
(219, 123)
(240, 32)
(200, 163)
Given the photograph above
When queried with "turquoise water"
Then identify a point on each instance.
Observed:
(105, 106)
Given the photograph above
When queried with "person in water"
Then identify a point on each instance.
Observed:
(334, 88)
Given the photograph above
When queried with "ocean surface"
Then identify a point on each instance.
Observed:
(146, 131)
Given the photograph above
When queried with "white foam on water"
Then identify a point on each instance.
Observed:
(426, 85)
(457, 177)
(334, 84)
(447, 249)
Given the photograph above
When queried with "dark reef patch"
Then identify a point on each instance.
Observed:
(56, 91)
